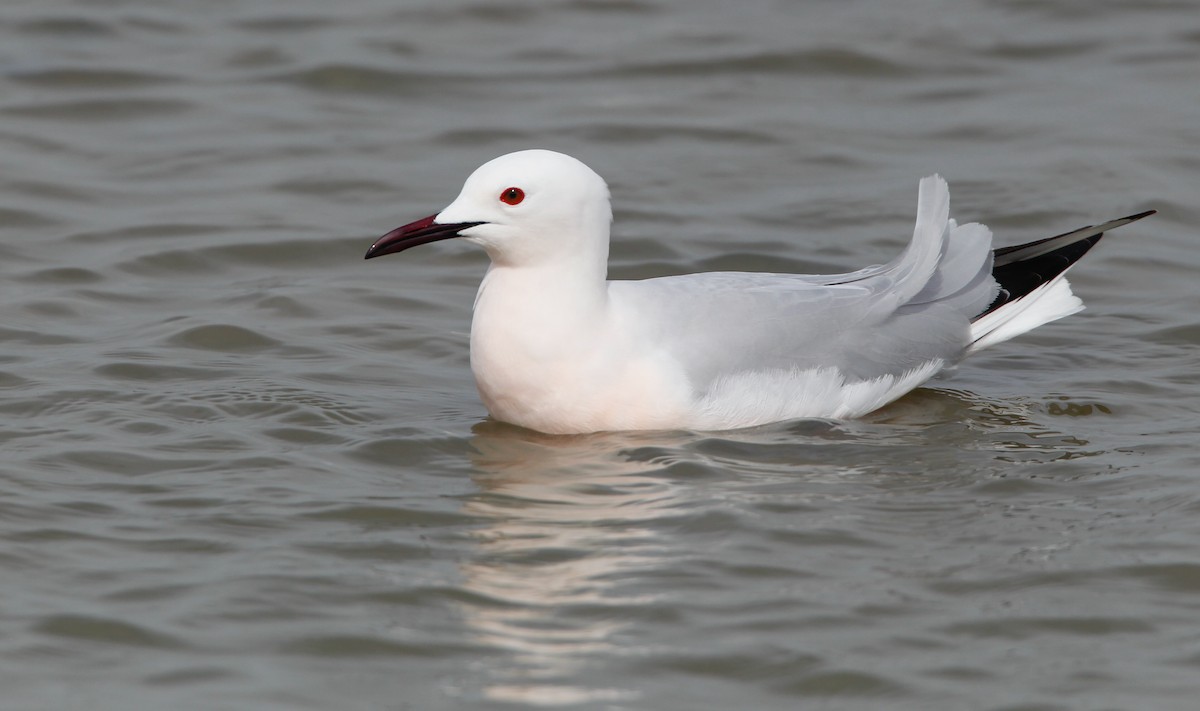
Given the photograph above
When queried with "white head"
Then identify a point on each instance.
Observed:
(526, 209)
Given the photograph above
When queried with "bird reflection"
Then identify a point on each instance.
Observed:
(574, 529)
(559, 556)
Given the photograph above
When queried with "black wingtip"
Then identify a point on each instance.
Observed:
(1022, 268)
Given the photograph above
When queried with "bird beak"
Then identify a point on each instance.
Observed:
(422, 231)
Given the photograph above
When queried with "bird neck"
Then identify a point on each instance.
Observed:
(543, 295)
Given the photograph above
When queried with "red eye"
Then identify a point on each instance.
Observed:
(512, 196)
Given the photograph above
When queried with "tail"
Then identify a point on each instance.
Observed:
(1033, 284)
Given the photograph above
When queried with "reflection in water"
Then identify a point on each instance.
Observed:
(572, 533)
(1010, 424)
(566, 527)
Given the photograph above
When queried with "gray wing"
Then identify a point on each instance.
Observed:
(877, 321)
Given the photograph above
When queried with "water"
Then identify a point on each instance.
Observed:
(244, 469)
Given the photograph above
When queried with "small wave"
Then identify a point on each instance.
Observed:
(90, 110)
(226, 338)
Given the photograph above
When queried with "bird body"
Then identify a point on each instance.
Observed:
(558, 348)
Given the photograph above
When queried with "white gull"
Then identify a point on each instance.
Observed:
(558, 348)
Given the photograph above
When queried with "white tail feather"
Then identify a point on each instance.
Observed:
(1049, 302)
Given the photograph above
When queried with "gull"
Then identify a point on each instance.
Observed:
(557, 347)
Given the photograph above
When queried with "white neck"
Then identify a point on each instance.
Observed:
(540, 311)
(535, 328)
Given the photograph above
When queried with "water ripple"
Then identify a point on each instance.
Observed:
(245, 469)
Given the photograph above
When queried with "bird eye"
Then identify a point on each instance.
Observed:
(512, 196)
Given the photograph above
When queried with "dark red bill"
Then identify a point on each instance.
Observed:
(414, 234)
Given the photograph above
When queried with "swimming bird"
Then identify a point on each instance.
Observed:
(557, 347)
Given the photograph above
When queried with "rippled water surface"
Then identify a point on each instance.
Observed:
(241, 468)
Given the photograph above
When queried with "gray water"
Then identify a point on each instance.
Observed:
(241, 468)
